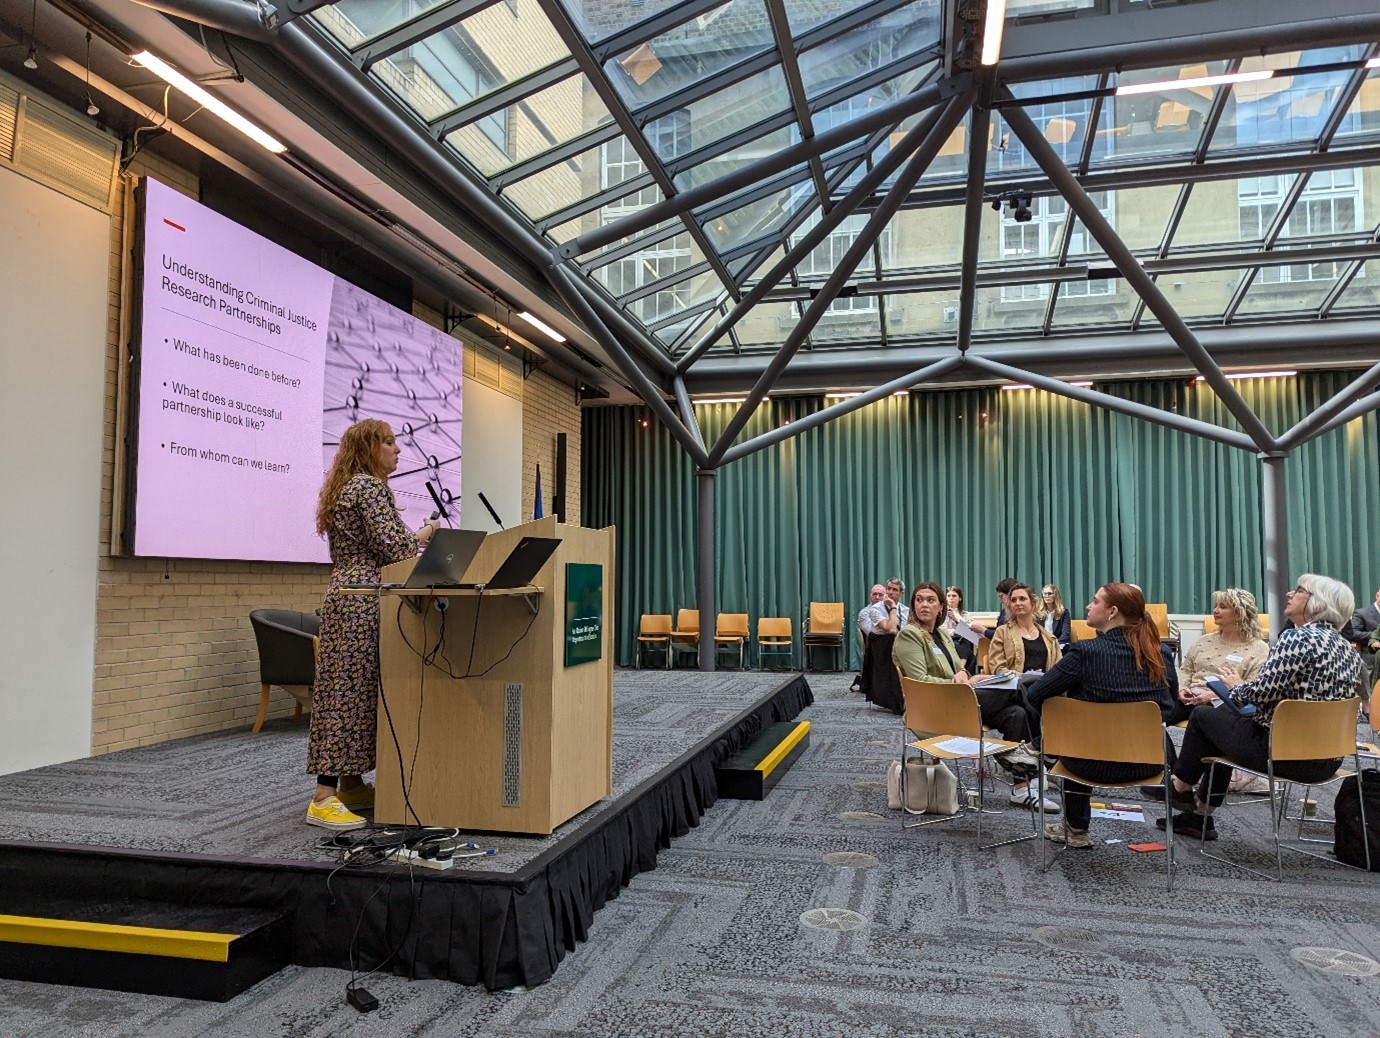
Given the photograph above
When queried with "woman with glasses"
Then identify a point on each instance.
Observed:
(1053, 617)
(1310, 661)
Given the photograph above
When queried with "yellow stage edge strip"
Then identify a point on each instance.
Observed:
(771, 760)
(111, 937)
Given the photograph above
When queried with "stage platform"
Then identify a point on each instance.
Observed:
(218, 820)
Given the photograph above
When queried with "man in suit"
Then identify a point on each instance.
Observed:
(1364, 622)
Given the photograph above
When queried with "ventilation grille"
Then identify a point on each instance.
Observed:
(493, 369)
(46, 143)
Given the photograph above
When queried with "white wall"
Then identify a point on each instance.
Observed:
(54, 284)
(492, 457)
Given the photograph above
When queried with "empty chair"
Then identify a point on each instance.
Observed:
(731, 633)
(685, 639)
(654, 633)
(774, 638)
(1210, 625)
(1081, 631)
(287, 642)
(1169, 631)
(823, 629)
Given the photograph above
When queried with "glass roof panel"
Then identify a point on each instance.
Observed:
(598, 21)
(1026, 8)
(1298, 288)
(1161, 124)
(1009, 308)
(1063, 123)
(924, 239)
(530, 127)
(352, 22)
(573, 228)
(691, 52)
(1138, 215)
(565, 183)
(855, 319)
(850, 108)
(1362, 119)
(1230, 212)
(755, 274)
(824, 258)
(806, 14)
(870, 46)
(672, 334)
(655, 263)
(1363, 294)
(1197, 295)
(916, 314)
(752, 151)
(756, 219)
(1283, 110)
(712, 118)
(1334, 207)
(768, 324)
(675, 298)
(1082, 304)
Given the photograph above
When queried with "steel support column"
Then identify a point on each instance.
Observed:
(1131, 408)
(881, 216)
(848, 205)
(972, 211)
(687, 409)
(1314, 424)
(704, 538)
(1275, 532)
(1141, 282)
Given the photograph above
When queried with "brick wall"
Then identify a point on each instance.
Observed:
(175, 655)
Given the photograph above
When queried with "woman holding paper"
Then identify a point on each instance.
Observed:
(1022, 646)
(1126, 663)
(924, 650)
(358, 515)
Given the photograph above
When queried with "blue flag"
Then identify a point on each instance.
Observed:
(536, 508)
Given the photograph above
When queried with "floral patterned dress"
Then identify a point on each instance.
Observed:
(369, 533)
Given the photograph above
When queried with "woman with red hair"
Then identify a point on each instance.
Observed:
(1125, 663)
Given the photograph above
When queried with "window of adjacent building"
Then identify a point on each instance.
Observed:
(1327, 210)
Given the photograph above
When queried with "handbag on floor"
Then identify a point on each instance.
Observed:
(1349, 839)
(931, 788)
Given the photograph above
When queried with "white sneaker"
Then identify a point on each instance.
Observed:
(1024, 796)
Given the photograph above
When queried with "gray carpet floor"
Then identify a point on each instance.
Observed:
(945, 939)
(244, 795)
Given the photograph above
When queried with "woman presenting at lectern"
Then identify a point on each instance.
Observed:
(359, 517)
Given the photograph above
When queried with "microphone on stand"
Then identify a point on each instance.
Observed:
(485, 502)
(440, 505)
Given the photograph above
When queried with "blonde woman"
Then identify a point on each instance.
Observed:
(359, 517)
(1238, 642)
(1021, 645)
(1053, 617)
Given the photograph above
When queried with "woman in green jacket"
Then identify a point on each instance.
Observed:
(924, 650)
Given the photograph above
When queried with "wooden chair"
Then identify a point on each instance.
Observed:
(823, 629)
(1300, 730)
(1210, 625)
(774, 638)
(685, 638)
(288, 646)
(1128, 732)
(940, 713)
(1169, 631)
(1081, 631)
(984, 646)
(731, 632)
(654, 632)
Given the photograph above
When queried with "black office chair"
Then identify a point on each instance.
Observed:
(287, 655)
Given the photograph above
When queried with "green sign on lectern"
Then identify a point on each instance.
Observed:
(584, 612)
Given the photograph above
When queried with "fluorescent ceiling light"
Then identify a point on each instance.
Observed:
(992, 30)
(168, 74)
(720, 399)
(1165, 85)
(1234, 375)
(1085, 383)
(1016, 385)
(537, 322)
(841, 396)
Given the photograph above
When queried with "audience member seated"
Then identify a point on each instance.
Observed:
(1309, 661)
(1004, 587)
(1053, 617)
(1019, 646)
(954, 615)
(924, 650)
(865, 625)
(1361, 632)
(1125, 664)
(884, 619)
(1238, 642)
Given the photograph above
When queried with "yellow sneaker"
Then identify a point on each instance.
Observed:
(332, 814)
(357, 796)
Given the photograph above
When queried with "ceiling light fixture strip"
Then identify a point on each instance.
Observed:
(210, 102)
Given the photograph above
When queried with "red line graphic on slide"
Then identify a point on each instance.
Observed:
(174, 226)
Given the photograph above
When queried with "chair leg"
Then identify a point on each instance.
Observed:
(263, 708)
(297, 711)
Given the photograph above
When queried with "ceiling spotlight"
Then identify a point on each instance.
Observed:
(92, 109)
(32, 60)
(1017, 205)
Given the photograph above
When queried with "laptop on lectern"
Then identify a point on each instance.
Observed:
(522, 563)
(443, 561)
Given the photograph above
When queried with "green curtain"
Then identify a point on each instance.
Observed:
(968, 486)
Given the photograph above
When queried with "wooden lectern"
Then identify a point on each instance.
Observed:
(524, 742)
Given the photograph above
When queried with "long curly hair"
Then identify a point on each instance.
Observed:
(358, 452)
(1242, 604)
(1141, 632)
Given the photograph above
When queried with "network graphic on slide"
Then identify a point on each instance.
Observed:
(384, 363)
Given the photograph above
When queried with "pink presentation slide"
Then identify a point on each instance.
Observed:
(252, 361)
